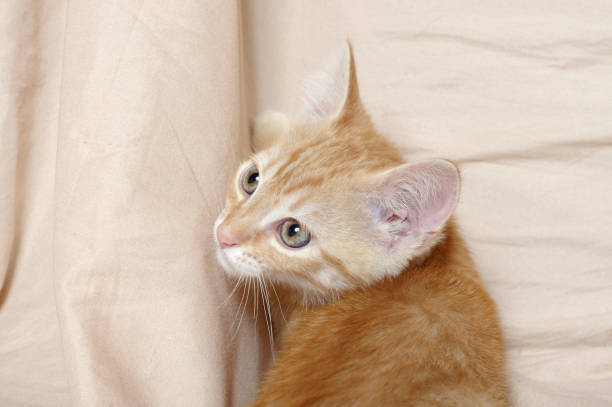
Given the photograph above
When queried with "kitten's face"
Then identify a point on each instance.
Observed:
(329, 206)
(303, 218)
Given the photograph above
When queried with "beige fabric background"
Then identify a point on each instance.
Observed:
(123, 121)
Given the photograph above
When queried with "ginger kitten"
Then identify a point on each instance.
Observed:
(372, 295)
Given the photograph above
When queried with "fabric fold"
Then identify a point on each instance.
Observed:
(151, 112)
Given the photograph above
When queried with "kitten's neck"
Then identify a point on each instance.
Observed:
(286, 308)
(449, 251)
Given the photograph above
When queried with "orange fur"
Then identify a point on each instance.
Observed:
(429, 337)
(355, 323)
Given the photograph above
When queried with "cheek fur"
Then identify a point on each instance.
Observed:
(239, 263)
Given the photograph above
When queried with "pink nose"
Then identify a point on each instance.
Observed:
(224, 238)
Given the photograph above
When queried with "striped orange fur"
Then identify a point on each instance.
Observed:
(383, 305)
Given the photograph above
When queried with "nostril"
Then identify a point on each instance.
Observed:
(224, 238)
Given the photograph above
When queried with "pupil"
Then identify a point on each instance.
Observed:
(253, 178)
(294, 229)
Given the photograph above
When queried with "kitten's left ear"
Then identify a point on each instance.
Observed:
(333, 92)
(414, 201)
(269, 128)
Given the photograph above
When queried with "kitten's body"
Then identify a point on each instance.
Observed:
(382, 306)
(428, 337)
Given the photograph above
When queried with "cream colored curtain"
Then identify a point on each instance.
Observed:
(121, 124)
(123, 121)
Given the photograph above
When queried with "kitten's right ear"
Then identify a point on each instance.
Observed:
(269, 128)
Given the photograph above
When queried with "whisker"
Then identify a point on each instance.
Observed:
(224, 303)
(280, 308)
(250, 281)
(269, 324)
(263, 305)
(256, 303)
(235, 317)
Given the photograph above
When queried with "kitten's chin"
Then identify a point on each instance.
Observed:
(225, 264)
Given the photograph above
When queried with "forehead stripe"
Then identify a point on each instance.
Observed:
(291, 160)
(308, 182)
(283, 172)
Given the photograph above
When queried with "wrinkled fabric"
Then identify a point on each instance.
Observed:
(32, 368)
(123, 121)
(121, 118)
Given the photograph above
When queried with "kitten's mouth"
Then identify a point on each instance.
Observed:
(236, 263)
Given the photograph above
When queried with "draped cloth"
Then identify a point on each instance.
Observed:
(123, 122)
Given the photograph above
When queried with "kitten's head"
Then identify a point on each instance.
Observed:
(326, 203)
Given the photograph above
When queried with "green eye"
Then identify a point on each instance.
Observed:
(294, 234)
(250, 179)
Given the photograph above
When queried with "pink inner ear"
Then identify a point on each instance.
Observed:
(418, 199)
(443, 195)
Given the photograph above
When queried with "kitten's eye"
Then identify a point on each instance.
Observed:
(250, 179)
(294, 234)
